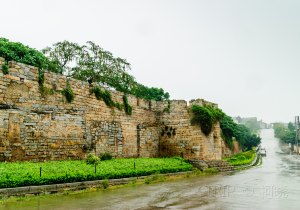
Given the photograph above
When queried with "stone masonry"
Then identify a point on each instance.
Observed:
(36, 127)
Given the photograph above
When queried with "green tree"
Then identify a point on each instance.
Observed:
(100, 66)
(285, 134)
(15, 51)
(291, 126)
(152, 93)
(65, 54)
(241, 133)
(88, 62)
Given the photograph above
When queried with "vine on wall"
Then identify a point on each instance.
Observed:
(5, 68)
(168, 108)
(105, 95)
(206, 116)
(68, 93)
(127, 107)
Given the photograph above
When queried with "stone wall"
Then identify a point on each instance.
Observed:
(179, 137)
(46, 127)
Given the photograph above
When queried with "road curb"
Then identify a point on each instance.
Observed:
(55, 188)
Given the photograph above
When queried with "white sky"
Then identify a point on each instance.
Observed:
(242, 54)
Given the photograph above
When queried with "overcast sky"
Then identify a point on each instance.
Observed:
(243, 55)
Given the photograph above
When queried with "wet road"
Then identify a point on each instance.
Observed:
(273, 185)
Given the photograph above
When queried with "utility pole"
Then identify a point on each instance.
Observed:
(297, 127)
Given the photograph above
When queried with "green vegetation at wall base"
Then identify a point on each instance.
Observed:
(243, 158)
(17, 174)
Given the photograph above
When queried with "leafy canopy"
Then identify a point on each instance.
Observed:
(285, 134)
(241, 133)
(93, 64)
(15, 51)
(88, 62)
(206, 116)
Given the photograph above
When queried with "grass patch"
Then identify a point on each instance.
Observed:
(209, 171)
(155, 178)
(242, 158)
(134, 181)
(19, 174)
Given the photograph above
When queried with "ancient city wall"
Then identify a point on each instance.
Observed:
(36, 127)
(179, 137)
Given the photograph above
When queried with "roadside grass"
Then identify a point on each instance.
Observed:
(242, 158)
(19, 174)
(154, 179)
(134, 181)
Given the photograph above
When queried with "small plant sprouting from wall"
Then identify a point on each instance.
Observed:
(68, 93)
(168, 108)
(97, 91)
(46, 91)
(5, 68)
(41, 77)
(119, 106)
(41, 80)
(42, 88)
(105, 96)
(206, 116)
(127, 107)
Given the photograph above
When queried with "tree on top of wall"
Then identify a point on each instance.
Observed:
(65, 54)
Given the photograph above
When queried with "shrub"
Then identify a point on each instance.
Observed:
(119, 106)
(105, 184)
(242, 134)
(106, 96)
(284, 133)
(15, 51)
(168, 108)
(41, 78)
(211, 171)
(46, 91)
(92, 159)
(149, 93)
(98, 92)
(106, 156)
(103, 95)
(68, 93)
(127, 107)
(206, 116)
(5, 69)
(242, 158)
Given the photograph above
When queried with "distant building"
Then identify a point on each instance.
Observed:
(251, 122)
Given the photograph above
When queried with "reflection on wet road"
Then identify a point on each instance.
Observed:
(273, 185)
